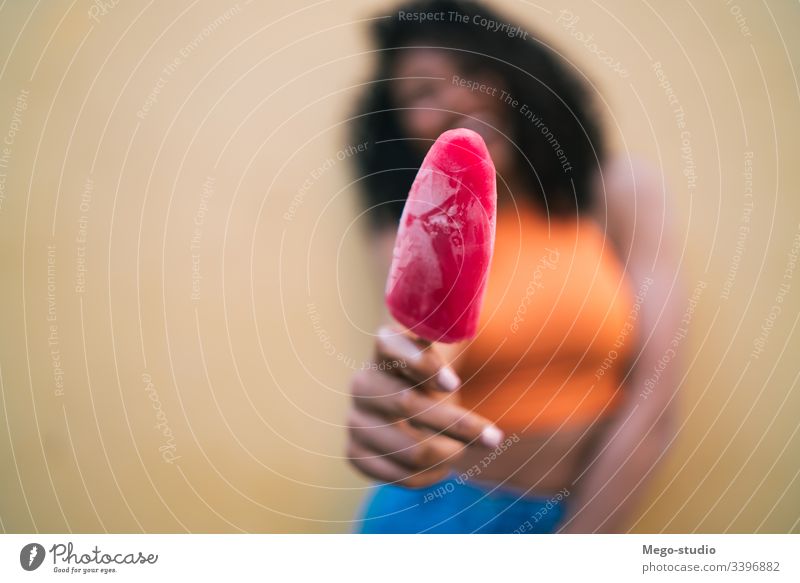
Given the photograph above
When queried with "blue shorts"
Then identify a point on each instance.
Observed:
(456, 506)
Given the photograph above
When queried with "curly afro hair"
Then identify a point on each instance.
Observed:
(558, 150)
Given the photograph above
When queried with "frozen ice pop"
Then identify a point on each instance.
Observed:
(445, 241)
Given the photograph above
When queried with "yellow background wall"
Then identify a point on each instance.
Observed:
(161, 146)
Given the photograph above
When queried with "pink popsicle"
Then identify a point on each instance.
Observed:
(445, 241)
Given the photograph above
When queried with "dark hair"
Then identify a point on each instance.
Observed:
(533, 74)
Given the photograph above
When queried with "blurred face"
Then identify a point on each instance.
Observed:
(440, 96)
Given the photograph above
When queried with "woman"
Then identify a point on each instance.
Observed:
(549, 420)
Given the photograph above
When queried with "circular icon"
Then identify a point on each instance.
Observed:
(31, 556)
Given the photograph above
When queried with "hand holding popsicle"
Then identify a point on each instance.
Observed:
(405, 425)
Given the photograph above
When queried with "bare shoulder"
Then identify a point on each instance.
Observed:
(628, 176)
(631, 204)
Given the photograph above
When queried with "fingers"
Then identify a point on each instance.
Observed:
(391, 397)
(422, 364)
(374, 465)
(401, 434)
(405, 445)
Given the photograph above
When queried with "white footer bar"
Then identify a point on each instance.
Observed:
(407, 559)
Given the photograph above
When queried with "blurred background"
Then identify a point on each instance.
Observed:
(186, 286)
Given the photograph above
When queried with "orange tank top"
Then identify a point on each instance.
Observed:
(557, 328)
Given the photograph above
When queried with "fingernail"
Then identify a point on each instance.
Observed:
(491, 436)
(448, 379)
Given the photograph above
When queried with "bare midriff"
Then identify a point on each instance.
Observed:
(557, 330)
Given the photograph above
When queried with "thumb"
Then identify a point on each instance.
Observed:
(416, 359)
